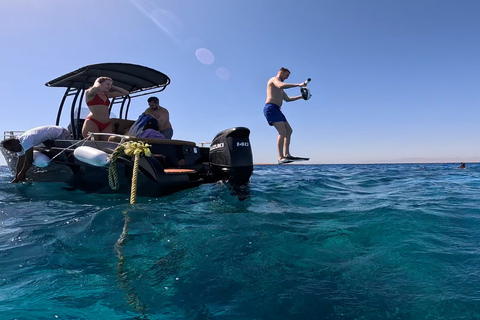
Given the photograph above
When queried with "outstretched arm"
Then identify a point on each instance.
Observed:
(281, 85)
(24, 163)
(289, 99)
(20, 162)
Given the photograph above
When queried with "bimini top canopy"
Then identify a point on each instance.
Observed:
(137, 80)
(131, 77)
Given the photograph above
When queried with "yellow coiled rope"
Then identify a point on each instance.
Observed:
(132, 149)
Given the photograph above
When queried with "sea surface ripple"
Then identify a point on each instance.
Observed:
(390, 241)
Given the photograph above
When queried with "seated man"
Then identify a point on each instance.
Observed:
(24, 144)
(161, 114)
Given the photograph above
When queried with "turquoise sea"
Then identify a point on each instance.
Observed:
(390, 241)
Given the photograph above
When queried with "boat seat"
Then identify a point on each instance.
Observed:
(78, 128)
(121, 126)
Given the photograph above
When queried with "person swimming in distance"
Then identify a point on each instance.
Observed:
(462, 166)
(97, 100)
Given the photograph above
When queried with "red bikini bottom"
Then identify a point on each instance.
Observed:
(101, 126)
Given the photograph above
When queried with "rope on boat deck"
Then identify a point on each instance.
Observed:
(132, 149)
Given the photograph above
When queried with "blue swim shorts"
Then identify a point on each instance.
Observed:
(273, 114)
(168, 133)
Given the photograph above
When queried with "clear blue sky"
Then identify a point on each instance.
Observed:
(392, 81)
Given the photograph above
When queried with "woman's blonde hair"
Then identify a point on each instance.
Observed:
(100, 80)
(103, 79)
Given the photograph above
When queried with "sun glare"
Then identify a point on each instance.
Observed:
(205, 56)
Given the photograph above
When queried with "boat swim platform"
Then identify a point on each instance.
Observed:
(178, 171)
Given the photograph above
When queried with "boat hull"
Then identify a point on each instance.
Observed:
(175, 165)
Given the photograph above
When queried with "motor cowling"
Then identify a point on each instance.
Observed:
(231, 155)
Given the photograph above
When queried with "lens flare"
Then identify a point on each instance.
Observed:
(223, 73)
(205, 56)
(165, 20)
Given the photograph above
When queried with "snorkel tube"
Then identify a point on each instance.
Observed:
(305, 91)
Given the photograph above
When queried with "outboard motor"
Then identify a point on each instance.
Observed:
(231, 156)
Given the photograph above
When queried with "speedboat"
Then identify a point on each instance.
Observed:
(86, 163)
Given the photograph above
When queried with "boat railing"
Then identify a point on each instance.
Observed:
(12, 134)
(117, 137)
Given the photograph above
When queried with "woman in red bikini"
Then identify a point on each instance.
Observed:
(97, 99)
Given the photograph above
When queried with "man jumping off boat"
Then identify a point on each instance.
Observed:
(272, 111)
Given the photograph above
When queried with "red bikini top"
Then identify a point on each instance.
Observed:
(97, 100)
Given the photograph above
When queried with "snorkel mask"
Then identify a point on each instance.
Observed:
(305, 91)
